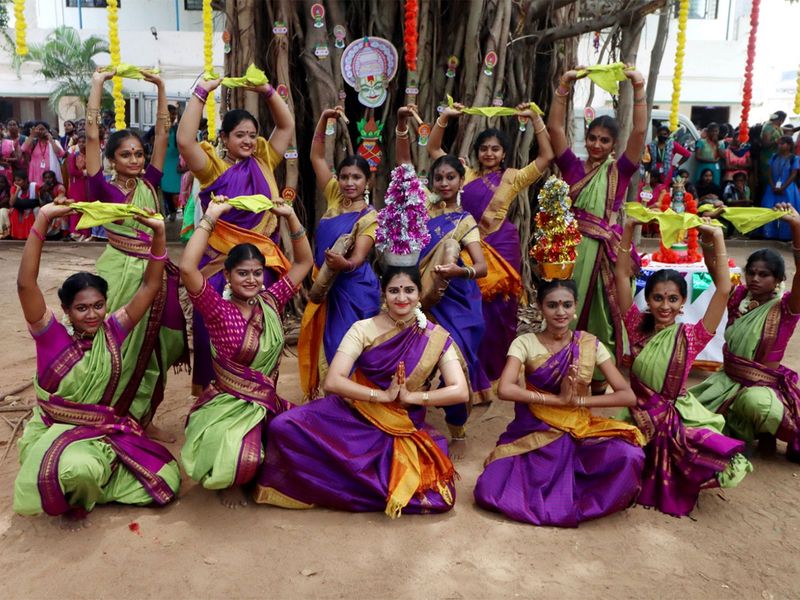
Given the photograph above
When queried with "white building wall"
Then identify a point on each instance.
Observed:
(133, 15)
(713, 68)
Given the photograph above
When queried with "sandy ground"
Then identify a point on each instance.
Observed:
(740, 543)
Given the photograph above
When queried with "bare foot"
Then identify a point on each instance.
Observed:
(233, 497)
(74, 519)
(457, 448)
(160, 435)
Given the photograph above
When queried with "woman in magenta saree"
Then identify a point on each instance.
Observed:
(686, 451)
(354, 293)
(759, 396)
(247, 169)
(557, 464)
(226, 428)
(487, 195)
(366, 446)
(83, 446)
(597, 187)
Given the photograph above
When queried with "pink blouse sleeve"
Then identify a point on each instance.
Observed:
(209, 304)
(51, 338)
(153, 176)
(282, 291)
(697, 337)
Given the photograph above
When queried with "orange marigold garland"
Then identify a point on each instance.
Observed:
(747, 92)
(410, 34)
(668, 255)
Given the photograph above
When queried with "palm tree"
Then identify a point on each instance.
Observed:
(67, 60)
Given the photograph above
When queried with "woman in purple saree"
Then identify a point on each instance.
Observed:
(487, 195)
(226, 427)
(686, 451)
(557, 464)
(247, 169)
(82, 446)
(354, 294)
(366, 446)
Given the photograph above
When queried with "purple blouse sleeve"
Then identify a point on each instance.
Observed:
(119, 324)
(570, 166)
(50, 341)
(625, 170)
(101, 190)
(152, 176)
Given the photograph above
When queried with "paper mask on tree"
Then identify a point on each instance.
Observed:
(368, 65)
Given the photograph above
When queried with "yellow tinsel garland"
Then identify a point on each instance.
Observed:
(208, 41)
(21, 27)
(680, 51)
(113, 45)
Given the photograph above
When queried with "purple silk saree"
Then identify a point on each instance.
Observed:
(499, 313)
(542, 475)
(326, 453)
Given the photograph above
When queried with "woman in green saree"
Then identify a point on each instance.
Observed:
(159, 340)
(83, 446)
(226, 428)
(760, 397)
(685, 450)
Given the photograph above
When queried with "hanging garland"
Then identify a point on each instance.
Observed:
(680, 51)
(113, 45)
(747, 93)
(21, 27)
(410, 34)
(208, 43)
(797, 95)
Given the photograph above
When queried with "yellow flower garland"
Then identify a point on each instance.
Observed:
(208, 41)
(113, 43)
(797, 95)
(680, 51)
(21, 27)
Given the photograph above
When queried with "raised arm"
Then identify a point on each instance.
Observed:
(190, 260)
(437, 133)
(186, 136)
(94, 159)
(546, 154)
(321, 169)
(163, 122)
(303, 257)
(622, 270)
(402, 144)
(557, 115)
(793, 219)
(30, 296)
(720, 275)
(635, 146)
(138, 306)
(281, 136)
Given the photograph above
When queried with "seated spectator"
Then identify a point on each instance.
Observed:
(5, 207)
(707, 190)
(24, 205)
(49, 191)
(737, 192)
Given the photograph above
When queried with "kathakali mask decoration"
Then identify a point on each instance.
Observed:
(368, 65)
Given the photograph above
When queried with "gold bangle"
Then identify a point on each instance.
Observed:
(205, 227)
(425, 398)
(538, 131)
(439, 122)
(399, 133)
(372, 394)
